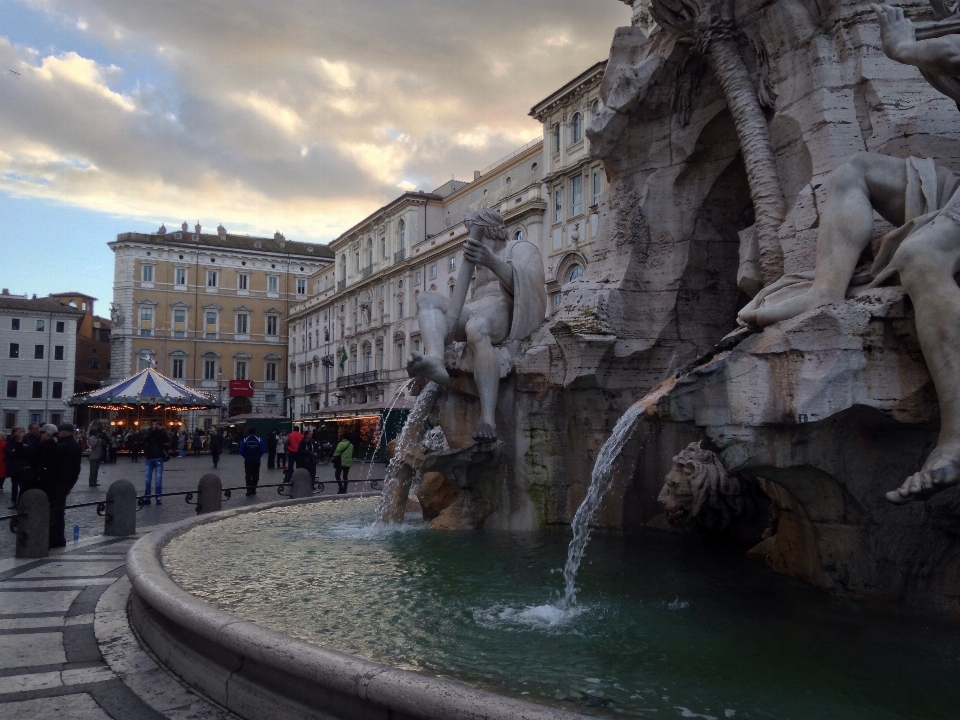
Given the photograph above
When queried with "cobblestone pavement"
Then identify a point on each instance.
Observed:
(66, 647)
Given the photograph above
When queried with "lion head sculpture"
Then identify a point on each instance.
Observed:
(699, 490)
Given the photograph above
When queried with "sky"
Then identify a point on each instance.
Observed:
(298, 116)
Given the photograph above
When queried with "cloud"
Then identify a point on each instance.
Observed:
(299, 115)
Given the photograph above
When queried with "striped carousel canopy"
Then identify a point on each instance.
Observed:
(147, 387)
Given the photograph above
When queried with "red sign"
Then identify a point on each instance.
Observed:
(241, 388)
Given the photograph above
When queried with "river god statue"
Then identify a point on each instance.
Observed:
(509, 302)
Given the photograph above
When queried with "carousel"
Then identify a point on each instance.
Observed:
(134, 402)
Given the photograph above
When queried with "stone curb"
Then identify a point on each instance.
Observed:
(340, 685)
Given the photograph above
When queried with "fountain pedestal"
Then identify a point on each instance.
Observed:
(474, 470)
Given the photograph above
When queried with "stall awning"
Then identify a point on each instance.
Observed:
(356, 410)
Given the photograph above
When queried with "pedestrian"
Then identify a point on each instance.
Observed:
(155, 443)
(18, 456)
(252, 449)
(66, 470)
(307, 455)
(197, 442)
(216, 446)
(33, 436)
(135, 443)
(282, 450)
(96, 443)
(342, 462)
(293, 445)
(272, 449)
(182, 444)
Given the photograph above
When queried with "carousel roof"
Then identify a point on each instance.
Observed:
(147, 387)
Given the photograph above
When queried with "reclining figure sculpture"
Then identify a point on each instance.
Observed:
(509, 303)
(923, 200)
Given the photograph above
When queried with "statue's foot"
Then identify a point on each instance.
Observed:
(940, 472)
(485, 433)
(770, 314)
(427, 366)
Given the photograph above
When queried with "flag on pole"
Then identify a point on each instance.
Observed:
(342, 357)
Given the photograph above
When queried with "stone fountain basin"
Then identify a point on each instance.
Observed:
(261, 673)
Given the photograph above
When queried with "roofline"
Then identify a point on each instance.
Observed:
(383, 209)
(216, 248)
(565, 89)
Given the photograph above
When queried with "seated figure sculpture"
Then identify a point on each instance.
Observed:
(923, 201)
(509, 303)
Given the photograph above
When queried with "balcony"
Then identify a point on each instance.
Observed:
(363, 378)
(399, 255)
(341, 284)
(368, 271)
(310, 388)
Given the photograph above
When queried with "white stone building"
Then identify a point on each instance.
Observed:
(38, 347)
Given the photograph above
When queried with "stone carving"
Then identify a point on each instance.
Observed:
(509, 303)
(699, 490)
(923, 201)
(116, 315)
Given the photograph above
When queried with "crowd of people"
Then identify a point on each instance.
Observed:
(45, 458)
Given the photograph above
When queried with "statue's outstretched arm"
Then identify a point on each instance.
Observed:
(938, 56)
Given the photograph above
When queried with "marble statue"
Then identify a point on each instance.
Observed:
(116, 315)
(922, 200)
(509, 302)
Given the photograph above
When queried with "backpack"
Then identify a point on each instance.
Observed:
(252, 443)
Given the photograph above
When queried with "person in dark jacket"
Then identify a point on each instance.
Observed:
(307, 454)
(18, 464)
(135, 443)
(43, 460)
(216, 446)
(66, 470)
(155, 444)
(252, 449)
(271, 449)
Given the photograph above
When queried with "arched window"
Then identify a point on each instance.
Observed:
(518, 235)
(556, 138)
(574, 272)
(595, 108)
(576, 128)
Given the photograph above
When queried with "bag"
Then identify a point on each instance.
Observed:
(336, 462)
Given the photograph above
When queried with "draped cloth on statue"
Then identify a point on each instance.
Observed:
(529, 296)
(925, 200)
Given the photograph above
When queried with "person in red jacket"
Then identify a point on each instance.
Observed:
(293, 445)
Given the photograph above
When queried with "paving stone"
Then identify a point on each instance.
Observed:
(71, 569)
(31, 622)
(82, 676)
(31, 682)
(13, 603)
(76, 706)
(59, 584)
(31, 649)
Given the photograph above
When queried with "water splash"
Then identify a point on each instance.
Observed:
(385, 419)
(600, 482)
(399, 475)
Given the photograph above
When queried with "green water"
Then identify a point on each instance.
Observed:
(668, 626)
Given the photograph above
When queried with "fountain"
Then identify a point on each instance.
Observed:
(786, 542)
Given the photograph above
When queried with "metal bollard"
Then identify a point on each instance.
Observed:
(121, 509)
(209, 494)
(33, 525)
(301, 484)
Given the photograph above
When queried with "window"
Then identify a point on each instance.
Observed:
(343, 267)
(36, 418)
(574, 272)
(58, 352)
(11, 388)
(146, 332)
(14, 323)
(37, 390)
(240, 370)
(57, 391)
(93, 364)
(597, 184)
(273, 284)
(40, 326)
(453, 263)
(209, 369)
(400, 309)
(401, 235)
(14, 350)
(210, 329)
(243, 323)
(176, 369)
(595, 108)
(558, 205)
(433, 272)
(576, 128)
(211, 278)
(576, 194)
(302, 282)
(243, 281)
(9, 420)
(270, 371)
(56, 418)
(556, 301)
(399, 351)
(180, 276)
(416, 278)
(146, 273)
(146, 321)
(356, 262)
(144, 361)
(556, 138)
(179, 315)
(61, 326)
(383, 248)
(272, 325)
(518, 235)
(38, 352)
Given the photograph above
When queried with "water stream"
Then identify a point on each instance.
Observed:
(384, 420)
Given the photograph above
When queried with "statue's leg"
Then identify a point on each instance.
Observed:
(862, 184)
(432, 318)
(488, 325)
(927, 262)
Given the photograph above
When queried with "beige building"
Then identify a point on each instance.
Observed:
(205, 309)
